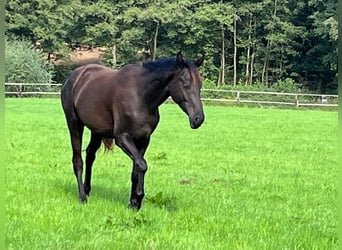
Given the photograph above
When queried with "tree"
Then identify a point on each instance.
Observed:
(315, 65)
(215, 24)
(46, 22)
(245, 42)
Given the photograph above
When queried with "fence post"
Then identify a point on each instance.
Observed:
(324, 99)
(238, 97)
(296, 101)
(20, 89)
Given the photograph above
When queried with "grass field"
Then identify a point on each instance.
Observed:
(249, 178)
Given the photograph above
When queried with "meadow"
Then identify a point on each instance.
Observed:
(249, 178)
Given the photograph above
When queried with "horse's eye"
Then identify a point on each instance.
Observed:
(186, 84)
(187, 77)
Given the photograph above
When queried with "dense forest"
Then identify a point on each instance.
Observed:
(246, 42)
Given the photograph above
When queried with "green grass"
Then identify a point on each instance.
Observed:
(249, 178)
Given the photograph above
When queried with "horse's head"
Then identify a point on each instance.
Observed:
(185, 89)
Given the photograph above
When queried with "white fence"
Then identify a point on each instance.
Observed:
(210, 95)
(271, 98)
(24, 89)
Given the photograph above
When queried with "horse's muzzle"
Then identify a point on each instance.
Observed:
(196, 121)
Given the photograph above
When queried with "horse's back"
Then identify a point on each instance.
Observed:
(90, 75)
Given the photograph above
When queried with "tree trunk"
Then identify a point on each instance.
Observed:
(235, 54)
(49, 57)
(265, 70)
(252, 69)
(281, 62)
(319, 87)
(264, 76)
(154, 51)
(247, 65)
(248, 50)
(221, 78)
(253, 53)
(114, 55)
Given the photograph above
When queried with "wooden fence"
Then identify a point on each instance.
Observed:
(210, 95)
(270, 98)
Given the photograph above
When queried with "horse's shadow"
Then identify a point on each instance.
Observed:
(116, 196)
(113, 195)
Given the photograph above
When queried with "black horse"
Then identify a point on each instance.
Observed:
(122, 105)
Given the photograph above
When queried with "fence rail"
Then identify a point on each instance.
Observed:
(275, 98)
(212, 95)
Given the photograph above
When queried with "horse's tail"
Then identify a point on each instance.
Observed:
(108, 143)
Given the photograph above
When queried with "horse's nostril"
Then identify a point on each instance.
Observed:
(197, 121)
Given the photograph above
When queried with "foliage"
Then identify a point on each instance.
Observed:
(159, 200)
(62, 70)
(247, 179)
(261, 41)
(287, 85)
(24, 64)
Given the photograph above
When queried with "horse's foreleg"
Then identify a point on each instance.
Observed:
(128, 145)
(93, 146)
(137, 178)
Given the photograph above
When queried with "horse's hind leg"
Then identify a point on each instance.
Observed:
(76, 132)
(76, 128)
(94, 144)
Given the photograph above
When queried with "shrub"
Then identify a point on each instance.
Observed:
(287, 85)
(23, 64)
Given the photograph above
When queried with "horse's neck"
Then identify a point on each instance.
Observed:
(156, 90)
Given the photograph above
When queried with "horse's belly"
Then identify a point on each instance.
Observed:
(97, 121)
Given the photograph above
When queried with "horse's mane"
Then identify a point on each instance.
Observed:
(161, 65)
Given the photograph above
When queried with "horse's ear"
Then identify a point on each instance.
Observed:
(200, 61)
(179, 59)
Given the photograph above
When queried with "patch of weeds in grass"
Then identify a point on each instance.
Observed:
(137, 220)
(161, 201)
(185, 182)
(159, 156)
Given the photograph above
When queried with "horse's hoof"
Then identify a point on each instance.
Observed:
(87, 190)
(83, 200)
(134, 205)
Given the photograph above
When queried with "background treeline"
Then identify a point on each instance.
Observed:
(248, 43)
